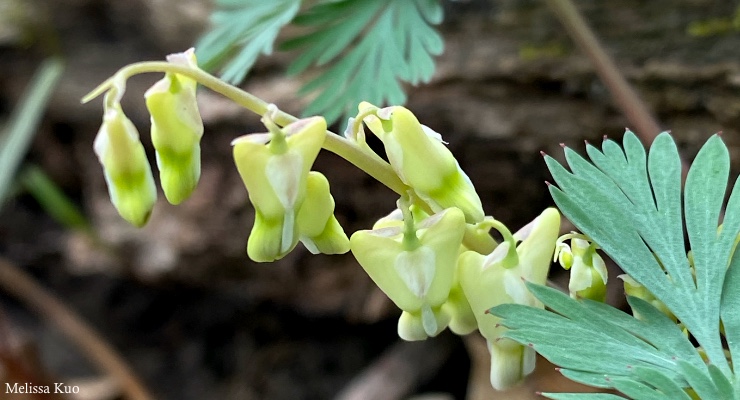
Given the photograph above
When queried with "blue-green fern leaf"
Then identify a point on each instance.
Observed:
(367, 48)
(241, 31)
(631, 204)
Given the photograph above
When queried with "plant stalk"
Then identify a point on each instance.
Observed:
(626, 98)
(375, 167)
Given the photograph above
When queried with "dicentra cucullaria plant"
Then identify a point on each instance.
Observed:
(433, 254)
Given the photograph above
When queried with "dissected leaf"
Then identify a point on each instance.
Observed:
(720, 381)
(731, 305)
(661, 382)
(582, 396)
(638, 390)
(595, 350)
(241, 31)
(699, 380)
(631, 204)
(644, 233)
(369, 48)
(579, 338)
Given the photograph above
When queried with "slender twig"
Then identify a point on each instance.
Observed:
(626, 98)
(16, 282)
(633, 108)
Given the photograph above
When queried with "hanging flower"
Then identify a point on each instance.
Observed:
(414, 265)
(588, 274)
(274, 167)
(499, 278)
(176, 129)
(126, 168)
(422, 161)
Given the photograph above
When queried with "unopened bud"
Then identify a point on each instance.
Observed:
(127, 171)
(176, 130)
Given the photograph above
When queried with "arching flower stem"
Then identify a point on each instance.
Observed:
(373, 166)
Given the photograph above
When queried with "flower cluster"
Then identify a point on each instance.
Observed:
(176, 132)
(291, 203)
(440, 266)
(433, 255)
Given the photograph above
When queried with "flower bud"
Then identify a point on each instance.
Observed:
(319, 229)
(564, 256)
(415, 269)
(127, 171)
(421, 160)
(276, 175)
(635, 289)
(456, 309)
(176, 130)
(588, 274)
(498, 278)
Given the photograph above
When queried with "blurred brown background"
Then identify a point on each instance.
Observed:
(179, 298)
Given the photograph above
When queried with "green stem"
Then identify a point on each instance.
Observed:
(278, 143)
(373, 166)
(574, 235)
(512, 257)
(410, 240)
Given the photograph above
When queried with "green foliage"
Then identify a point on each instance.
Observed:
(397, 43)
(630, 204)
(16, 136)
(52, 199)
(241, 30)
(367, 48)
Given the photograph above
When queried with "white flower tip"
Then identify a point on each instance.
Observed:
(272, 111)
(508, 366)
(287, 233)
(516, 288)
(348, 130)
(433, 219)
(395, 215)
(388, 232)
(523, 233)
(101, 144)
(432, 133)
(385, 113)
(258, 138)
(563, 255)
(185, 58)
(580, 243)
(628, 280)
(496, 256)
(301, 124)
(600, 267)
